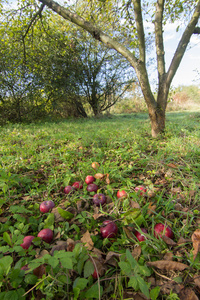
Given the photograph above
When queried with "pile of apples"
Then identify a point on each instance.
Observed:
(109, 228)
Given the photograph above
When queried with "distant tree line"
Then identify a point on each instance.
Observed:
(48, 69)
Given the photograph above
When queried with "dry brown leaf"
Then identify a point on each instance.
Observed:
(95, 165)
(97, 216)
(168, 256)
(112, 258)
(167, 265)
(168, 241)
(151, 208)
(99, 266)
(129, 233)
(3, 219)
(40, 271)
(61, 245)
(70, 244)
(99, 176)
(134, 204)
(173, 166)
(57, 216)
(136, 252)
(107, 178)
(188, 294)
(197, 280)
(196, 242)
(86, 239)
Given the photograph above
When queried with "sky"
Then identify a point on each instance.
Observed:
(186, 74)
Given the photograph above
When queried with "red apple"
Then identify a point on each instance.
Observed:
(161, 229)
(99, 199)
(109, 230)
(68, 189)
(77, 185)
(140, 236)
(27, 240)
(92, 187)
(46, 235)
(140, 189)
(121, 194)
(89, 179)
(94, 275)
(46, 206)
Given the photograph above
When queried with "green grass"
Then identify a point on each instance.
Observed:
(39, 159)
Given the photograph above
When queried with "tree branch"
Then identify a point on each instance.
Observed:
(183, 44)
(196, 30)
(140, 28)
(159, 39)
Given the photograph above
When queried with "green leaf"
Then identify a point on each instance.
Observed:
(143, 286)
(133, 283)
(7, 239)
(49, 222)
(133, 216)
(93, 292)
(88, 269)
(80, 283)
(53, 261)
(154, 293)
(65, 214)
(5, 264)
(30, 279)
(125, 267)
(131, 259)
(144, 270)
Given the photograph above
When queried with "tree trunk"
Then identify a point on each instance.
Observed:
(157, 118)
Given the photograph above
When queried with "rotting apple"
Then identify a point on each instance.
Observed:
(46, 206)
(99, 199)
(140, 189)
(121, 194)
(46, 235)
(77, 185)
(89, 179)
(27, 240)
(161, 229)
(141, 237)
(92, 187)
(109, 229)
(68, 189)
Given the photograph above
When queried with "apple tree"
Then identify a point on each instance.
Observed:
(130, 27)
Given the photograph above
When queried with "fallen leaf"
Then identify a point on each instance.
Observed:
(40, 271)
(197, 280)
(196, 242)
(134, 204)
(168, 241)
(128, 232)
(167, 265)
(168, 256)
(107, 178)
(173, 166)
(137, 252)
(151, 208)
(99, 176)
(112, 258)
(86, 239)
(95, 165)
(61, 245)
(188, 294)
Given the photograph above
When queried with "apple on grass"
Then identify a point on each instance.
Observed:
(92, 187)
(68, 189)
(140, 189)
(161, 229)
(109, 229)
(27, 240)
(121, 194)
(46, 206)
(140, 236)
(46, 235)
(77, 185)
(99, 199)
(89, 179)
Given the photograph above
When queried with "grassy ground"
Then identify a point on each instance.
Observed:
(39, 160)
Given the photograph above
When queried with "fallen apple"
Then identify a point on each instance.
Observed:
(68, 189)
(89, 179)
(109, 229)
(141, 236)
(27, 240)
(161, 229)
(46, 235)
(92, 187)
(121, 194)
(99, 199)
(46, 206)
(77, 185)
(140, 189)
